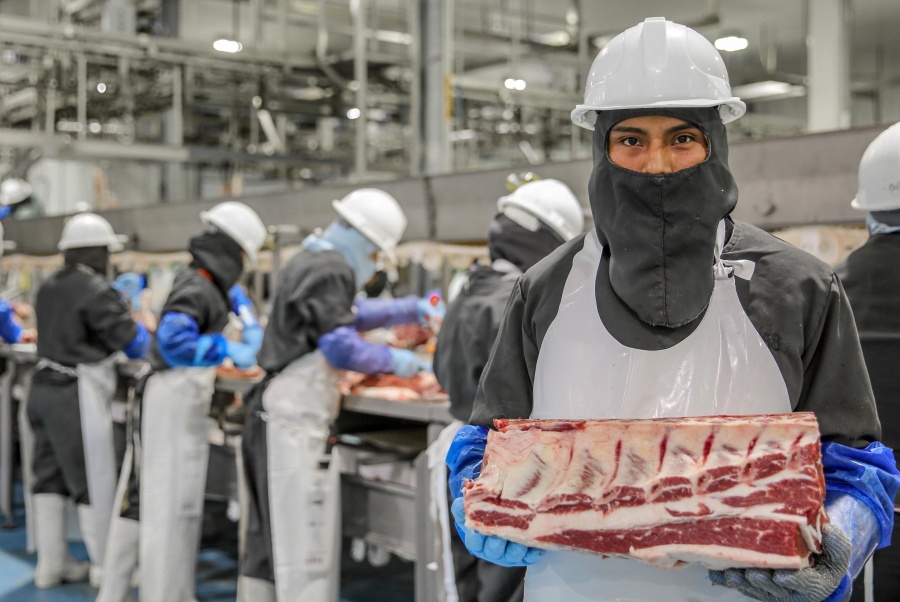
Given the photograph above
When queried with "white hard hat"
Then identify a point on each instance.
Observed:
(90, 230)
(657, 63)
(241, 223)
(14, 191)
(550, 201)
(376, 214)
(879, 173)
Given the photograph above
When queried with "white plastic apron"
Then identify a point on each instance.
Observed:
(582, 372)
(174, 456)
(96, 388)
(300, 404)
(439, 509)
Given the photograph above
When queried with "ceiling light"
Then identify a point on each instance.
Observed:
(223, 45)
(519, 84)
(767, 90)
(510, 83)
(731, 43)
(553, 38)
(353, 113)
(101, 87)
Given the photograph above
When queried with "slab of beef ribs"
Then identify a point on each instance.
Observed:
(723, 491)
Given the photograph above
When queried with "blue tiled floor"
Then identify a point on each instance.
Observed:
(216, 574)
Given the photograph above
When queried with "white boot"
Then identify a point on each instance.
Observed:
(121, 560)
(55, 565)
(251, 589)
(92, 541)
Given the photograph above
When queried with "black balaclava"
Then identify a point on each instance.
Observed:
(888, 218)
(220, 255)
(96, 258)
(660, 230)
(519, 245)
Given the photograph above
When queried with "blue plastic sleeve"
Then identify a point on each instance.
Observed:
(137, 348)
(10, 331)
(870, 475)
(346, 350)
(181, 344)
(380, 313)
(5, 211)
(464, 457)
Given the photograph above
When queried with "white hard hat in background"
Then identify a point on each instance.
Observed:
(657, 63)
(90, 230)
(879, 173)
(550, 201)
(241, 223)
(13, 191)
(376, 214)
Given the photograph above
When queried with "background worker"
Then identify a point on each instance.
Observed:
(670, 308)
(871, 277)
(167, 496)
(85, 325)
(313, 331)
(532, 221)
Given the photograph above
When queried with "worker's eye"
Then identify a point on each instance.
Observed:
(629, 141)
(684, 138)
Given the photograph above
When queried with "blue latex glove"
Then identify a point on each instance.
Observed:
(243, 355)
(137, 348)
(10, 330)
(406, 363)
(490, 547)
(243, 307)
(430, 309)
(129, 285)
(464, 457)
(252, 336)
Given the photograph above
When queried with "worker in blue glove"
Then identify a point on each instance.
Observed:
(84, 326)
(11, 330)
(314, 329)
(668, 308)
(167, 487)
(534, 220)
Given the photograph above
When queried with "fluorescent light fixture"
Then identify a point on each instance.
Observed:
(514, 84)
(393, 37)
(101, 87)
(519, 84)
(732, 43)
(553, 38)
(353, 113)
(461, 135)
(231, 46)
(768, 89)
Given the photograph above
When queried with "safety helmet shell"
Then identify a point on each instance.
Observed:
(879, 173)
(241, 223)
(13, 191)
(90, 230)
(657, 63)
(551, 202)
(376, 214)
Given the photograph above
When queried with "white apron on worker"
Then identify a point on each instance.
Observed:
(175, 445)
(96, 388)
(300, 403)
(582, 372)
(439, 509)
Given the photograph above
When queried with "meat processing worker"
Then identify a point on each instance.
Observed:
(669, 308)
(536, 218)
(85, 326)
(870, 276)
(314, 330)
(11, 330)
(165, 489)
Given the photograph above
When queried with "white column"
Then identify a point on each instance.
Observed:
(828, 52)
(437, 55)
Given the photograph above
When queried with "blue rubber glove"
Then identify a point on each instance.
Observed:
(243, 307)
(490, 547)
(10, 330)
(129, 285)
(243, 355)
(406, 363)
(430, 309)
(252, 336)
(138, 346)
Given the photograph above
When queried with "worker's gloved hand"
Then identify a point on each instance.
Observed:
(242, 306)
(826, 579)
(406, 363)
(129, 285)
(490, 547)
(243, 355)
(253, 337)
(430, 309)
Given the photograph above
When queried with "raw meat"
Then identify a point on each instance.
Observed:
(723, 491)
(422, 386)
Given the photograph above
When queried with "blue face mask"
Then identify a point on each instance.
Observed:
(876, 226)
(349, 242)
